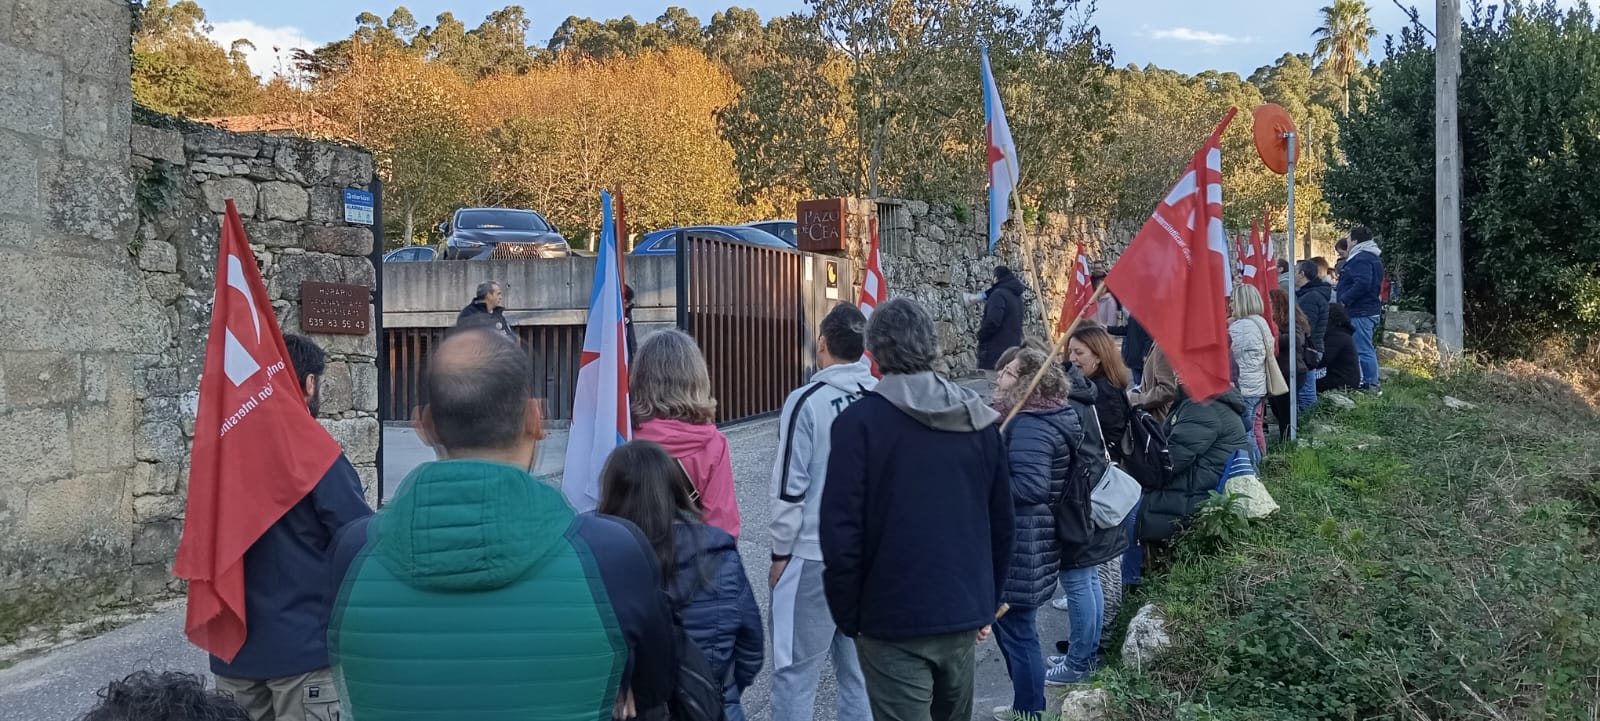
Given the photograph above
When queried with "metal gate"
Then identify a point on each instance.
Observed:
(554, 349)
(753, 310)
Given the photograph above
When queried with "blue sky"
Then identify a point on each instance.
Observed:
(1236, 35)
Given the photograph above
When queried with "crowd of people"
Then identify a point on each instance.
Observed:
(909, 522)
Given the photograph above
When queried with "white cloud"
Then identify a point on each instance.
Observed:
(263, 60)
(1190, 35)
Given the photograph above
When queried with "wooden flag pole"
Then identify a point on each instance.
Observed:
(1055, 350)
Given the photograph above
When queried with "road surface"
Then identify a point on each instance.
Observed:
(61, 685)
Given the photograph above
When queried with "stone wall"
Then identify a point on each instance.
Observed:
(290, 193)
(933, 253)
(106, 265)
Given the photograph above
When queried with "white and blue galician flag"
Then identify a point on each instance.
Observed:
(1003, 168)
(600, 420)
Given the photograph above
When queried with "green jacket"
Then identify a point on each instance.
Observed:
(1202, 436)
(477, 593)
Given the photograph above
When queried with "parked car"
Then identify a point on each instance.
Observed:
(785, 229)
(483, 233)
(665, 242)
(410, 253)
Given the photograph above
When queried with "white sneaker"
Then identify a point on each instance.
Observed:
(1061, 604)
(1002, 713)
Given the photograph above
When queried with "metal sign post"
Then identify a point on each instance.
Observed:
(1294, 306)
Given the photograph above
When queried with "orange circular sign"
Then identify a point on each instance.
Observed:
(1271, 123)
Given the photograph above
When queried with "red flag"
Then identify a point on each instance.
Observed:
(1262, 273)
(1080, 293)
(257, 450)
(1171, 278)
(874, 289)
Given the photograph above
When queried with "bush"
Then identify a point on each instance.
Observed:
(1426, 564)
(1528, 109)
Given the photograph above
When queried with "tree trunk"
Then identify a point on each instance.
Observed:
(410, 224)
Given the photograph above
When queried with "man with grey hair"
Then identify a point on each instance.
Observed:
(915, 525)
(486, 310)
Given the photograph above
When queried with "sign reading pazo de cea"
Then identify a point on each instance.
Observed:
(358, 207)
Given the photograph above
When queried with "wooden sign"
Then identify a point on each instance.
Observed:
(335, 308)
(821, 225)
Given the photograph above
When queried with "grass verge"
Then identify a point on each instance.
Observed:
(1427, 563)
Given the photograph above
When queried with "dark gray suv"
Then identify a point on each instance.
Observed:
(484, 233)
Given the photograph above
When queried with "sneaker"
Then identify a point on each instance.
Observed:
(1004, 713)
(1061, 604)
(1054, 661)
(1063, 675)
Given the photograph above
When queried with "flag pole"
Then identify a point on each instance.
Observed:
(1055, 350)
(1294, 306)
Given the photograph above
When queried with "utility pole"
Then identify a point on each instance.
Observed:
(1447, 183)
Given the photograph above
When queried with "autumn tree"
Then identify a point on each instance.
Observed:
(178, 70)
(644, 125)
(411, 113)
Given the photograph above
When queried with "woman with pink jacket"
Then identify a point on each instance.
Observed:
(670, 393)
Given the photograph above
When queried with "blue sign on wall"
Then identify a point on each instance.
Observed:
(358, 207)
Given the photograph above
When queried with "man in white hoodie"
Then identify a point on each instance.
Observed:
(803, 631)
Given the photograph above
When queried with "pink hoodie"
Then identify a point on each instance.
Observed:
(704, 453)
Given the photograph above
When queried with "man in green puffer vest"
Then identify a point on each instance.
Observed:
(478, 593)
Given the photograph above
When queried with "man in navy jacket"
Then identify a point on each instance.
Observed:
(281, 673)
(1360, 286)
(915, 525)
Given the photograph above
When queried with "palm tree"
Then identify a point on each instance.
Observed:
(1343, 38)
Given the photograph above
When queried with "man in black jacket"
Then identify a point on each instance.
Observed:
(915, 525)
(1002, 318)
(486, 311)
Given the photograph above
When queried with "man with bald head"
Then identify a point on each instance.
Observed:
(477, 592)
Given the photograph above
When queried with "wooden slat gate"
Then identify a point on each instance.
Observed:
(554, 350)
(754, 312)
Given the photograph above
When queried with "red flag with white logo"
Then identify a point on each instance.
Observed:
(257, 450)
(1261, 272)
(1080, 292)
(874, 289)
(1173, 277)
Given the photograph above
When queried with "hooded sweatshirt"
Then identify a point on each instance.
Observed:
(800, 471)
(916, 519)
(703, 450)
(1361, 283)
(477, 592)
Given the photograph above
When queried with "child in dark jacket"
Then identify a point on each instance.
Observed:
(700, 564)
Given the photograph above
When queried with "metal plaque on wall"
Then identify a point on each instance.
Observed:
(334, 308)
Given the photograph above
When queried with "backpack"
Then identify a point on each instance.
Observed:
(698, 696)
(1145, 455)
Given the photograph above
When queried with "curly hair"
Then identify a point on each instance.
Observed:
(1053, 386)
(669, 381)
(169, 696)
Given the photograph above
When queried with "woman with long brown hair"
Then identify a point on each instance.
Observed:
(1280, 318)
(1095, 354)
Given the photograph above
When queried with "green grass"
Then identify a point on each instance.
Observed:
(1426, 564)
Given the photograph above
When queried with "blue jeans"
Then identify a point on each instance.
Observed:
(1307, 395)
(1252, 405)
(1366, 352)
(1018, 637)
(1133, 558)
(1086, 607)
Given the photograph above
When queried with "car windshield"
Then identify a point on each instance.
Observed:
(500, 220)
(755, 236)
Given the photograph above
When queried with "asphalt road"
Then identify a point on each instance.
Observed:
(61, 685)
